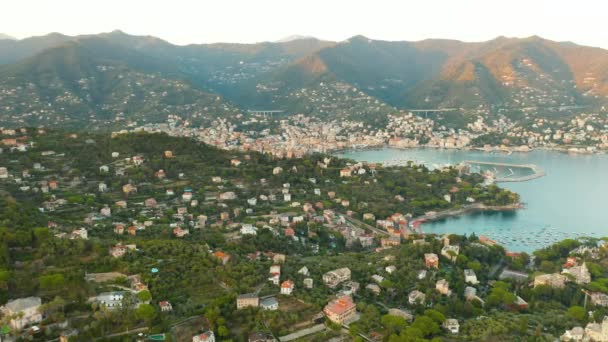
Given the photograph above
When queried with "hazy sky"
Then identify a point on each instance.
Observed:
(204, 21)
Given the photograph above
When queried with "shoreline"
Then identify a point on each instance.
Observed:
(476, 207)
(493, 149)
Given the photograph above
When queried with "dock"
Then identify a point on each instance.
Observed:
(537, 170)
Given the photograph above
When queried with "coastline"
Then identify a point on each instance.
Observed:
(472, 208)
(493, 149)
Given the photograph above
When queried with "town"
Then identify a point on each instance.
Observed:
(154, 237)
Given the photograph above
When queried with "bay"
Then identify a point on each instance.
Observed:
(570, 201)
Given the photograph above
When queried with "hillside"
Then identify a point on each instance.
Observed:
(512, 76)
(96, 84)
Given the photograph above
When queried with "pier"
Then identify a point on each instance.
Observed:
(537, 170)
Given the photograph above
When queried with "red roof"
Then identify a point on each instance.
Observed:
(287, 284)
(340, 305)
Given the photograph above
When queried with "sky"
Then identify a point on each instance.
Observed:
(248, 21)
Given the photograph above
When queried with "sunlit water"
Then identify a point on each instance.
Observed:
(568, 202)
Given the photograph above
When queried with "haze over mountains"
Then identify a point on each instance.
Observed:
(92, 79)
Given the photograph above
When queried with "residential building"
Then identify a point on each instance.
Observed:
(470, 276)
(416, 297)
(452, 325)
(580, 273)
(431, 260)
(165, 306)
(451, 252)
(443, 287)
(269, 304)
(308, 283)
(110, 300)
(599, 299)
(287, 287)
(207, 336)
(335, 277)
(26, 311)
(246, 300)
(553, 280)
(341, 310)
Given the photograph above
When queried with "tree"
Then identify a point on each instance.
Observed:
(393, 324)
(145, 312)
(144, 296)
(577, 312)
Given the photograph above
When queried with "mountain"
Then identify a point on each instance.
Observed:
(96, 84)
(80, 79)
(293, 37)
(6, 36)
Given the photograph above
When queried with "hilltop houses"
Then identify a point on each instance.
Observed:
(287, 287)
(247, 300)
(431, 260)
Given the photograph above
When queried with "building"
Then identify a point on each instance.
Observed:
(405, 314)
(246, 300)
(109, 300)
(599, 299)
(269, 304)
(261, 337)
(341, 310)
(450, 252)
(335, 277)
(580, 273)
(287, 287)
(451, 325)
(165, 306)
(553, 280)
(223, 257)
(308, 283)
(207, 336)
(431, 260)
(470, 277)
(443, 287)
(26, 310)
(416, 297)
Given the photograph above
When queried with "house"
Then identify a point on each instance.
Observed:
(287, 287)
(308, 283)
(235, 162)
(168, 154)
(165, 306)
(207, 336)
(277, 170)
(470, 276)
(341, 310)
(248, 229)
(451, 325)
(374, 288)
(104, 169)
(401, 313)
(3, 172)
(132, 230)
(119, 229)
(260, 337)
(24, 311)
(106, 211)
(553, 280)
(287, 197)
(227, 196)
(120, 250)
(580, 273)
(81, 233)
(150, 203)
(335, 277)
(377, 278)
(129, 188)
(345, 173)
(303, 271)
(179, 232)
(431, 260)
(216, 179)
(102, 187)
(187, 196)
(574, 334)
(275, 274)
(223, 257)
(443, 287)
(269, 304)
(278, 258)
(451, 252)
(393, 240)
(246, 300)
(599, 299)
(160, 174)
(109, 300)
(416, 297)
(390, 269)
